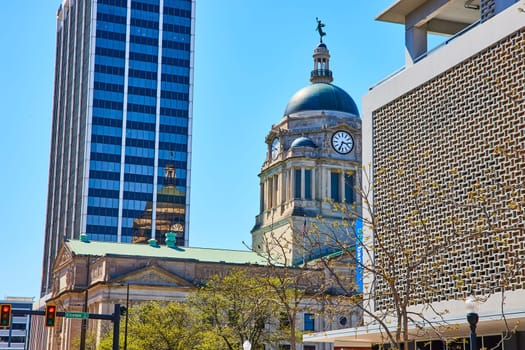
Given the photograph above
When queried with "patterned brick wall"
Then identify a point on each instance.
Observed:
(449, 165)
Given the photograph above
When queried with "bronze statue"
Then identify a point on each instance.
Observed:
(320, 26)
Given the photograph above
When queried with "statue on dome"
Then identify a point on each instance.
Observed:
(320, 26)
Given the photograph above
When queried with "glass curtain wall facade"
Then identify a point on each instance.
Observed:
(121, 131)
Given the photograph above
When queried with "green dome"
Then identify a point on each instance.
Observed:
(321, 96)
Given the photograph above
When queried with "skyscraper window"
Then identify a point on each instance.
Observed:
(121, 122)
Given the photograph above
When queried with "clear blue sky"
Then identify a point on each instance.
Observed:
(250, 57)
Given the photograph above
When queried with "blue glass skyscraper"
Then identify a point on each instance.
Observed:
(122, 116)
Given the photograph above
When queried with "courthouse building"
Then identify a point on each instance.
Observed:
(314, 152)
(312, 162)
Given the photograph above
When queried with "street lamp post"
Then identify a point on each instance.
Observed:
(246, 345)
(472, 318)
(127, 313)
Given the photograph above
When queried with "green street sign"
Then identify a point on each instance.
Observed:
(77, 315)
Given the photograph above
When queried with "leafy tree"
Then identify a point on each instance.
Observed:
(288, 283)
(164, 326)
(91, 342)
(237, 307)
(303, 285)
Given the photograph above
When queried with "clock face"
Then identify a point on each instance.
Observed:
(342, 142)
(275, 148)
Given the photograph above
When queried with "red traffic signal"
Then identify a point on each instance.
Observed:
(51, 314)
(5, 315)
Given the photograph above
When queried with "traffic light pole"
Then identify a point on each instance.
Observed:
(109, 317)
(114, 317)
(116, 326)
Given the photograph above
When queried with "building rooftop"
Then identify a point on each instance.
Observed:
(184, 253)
(438, 16)
(321, 96)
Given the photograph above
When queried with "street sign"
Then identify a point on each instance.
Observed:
(76, 315)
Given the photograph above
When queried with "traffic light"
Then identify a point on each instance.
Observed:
(51, 313)
(123, 311)
(5, 315)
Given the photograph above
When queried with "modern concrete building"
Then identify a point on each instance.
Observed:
(122, 120)
(446, 137)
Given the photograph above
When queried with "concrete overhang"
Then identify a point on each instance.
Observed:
(366, 336)
(436, 16)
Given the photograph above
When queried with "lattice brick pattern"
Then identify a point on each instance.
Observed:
(445, 154)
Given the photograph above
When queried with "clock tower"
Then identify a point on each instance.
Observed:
(312, 165)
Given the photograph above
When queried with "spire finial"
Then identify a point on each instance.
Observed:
(320, 26)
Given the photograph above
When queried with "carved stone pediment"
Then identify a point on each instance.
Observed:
(152, 275)
(63, 258)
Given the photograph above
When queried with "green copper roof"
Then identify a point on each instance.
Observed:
(145, 250)
(321, 96)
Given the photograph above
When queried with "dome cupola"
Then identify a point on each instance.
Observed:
(321, 95)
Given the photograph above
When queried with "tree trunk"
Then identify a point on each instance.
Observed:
(292, 335)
